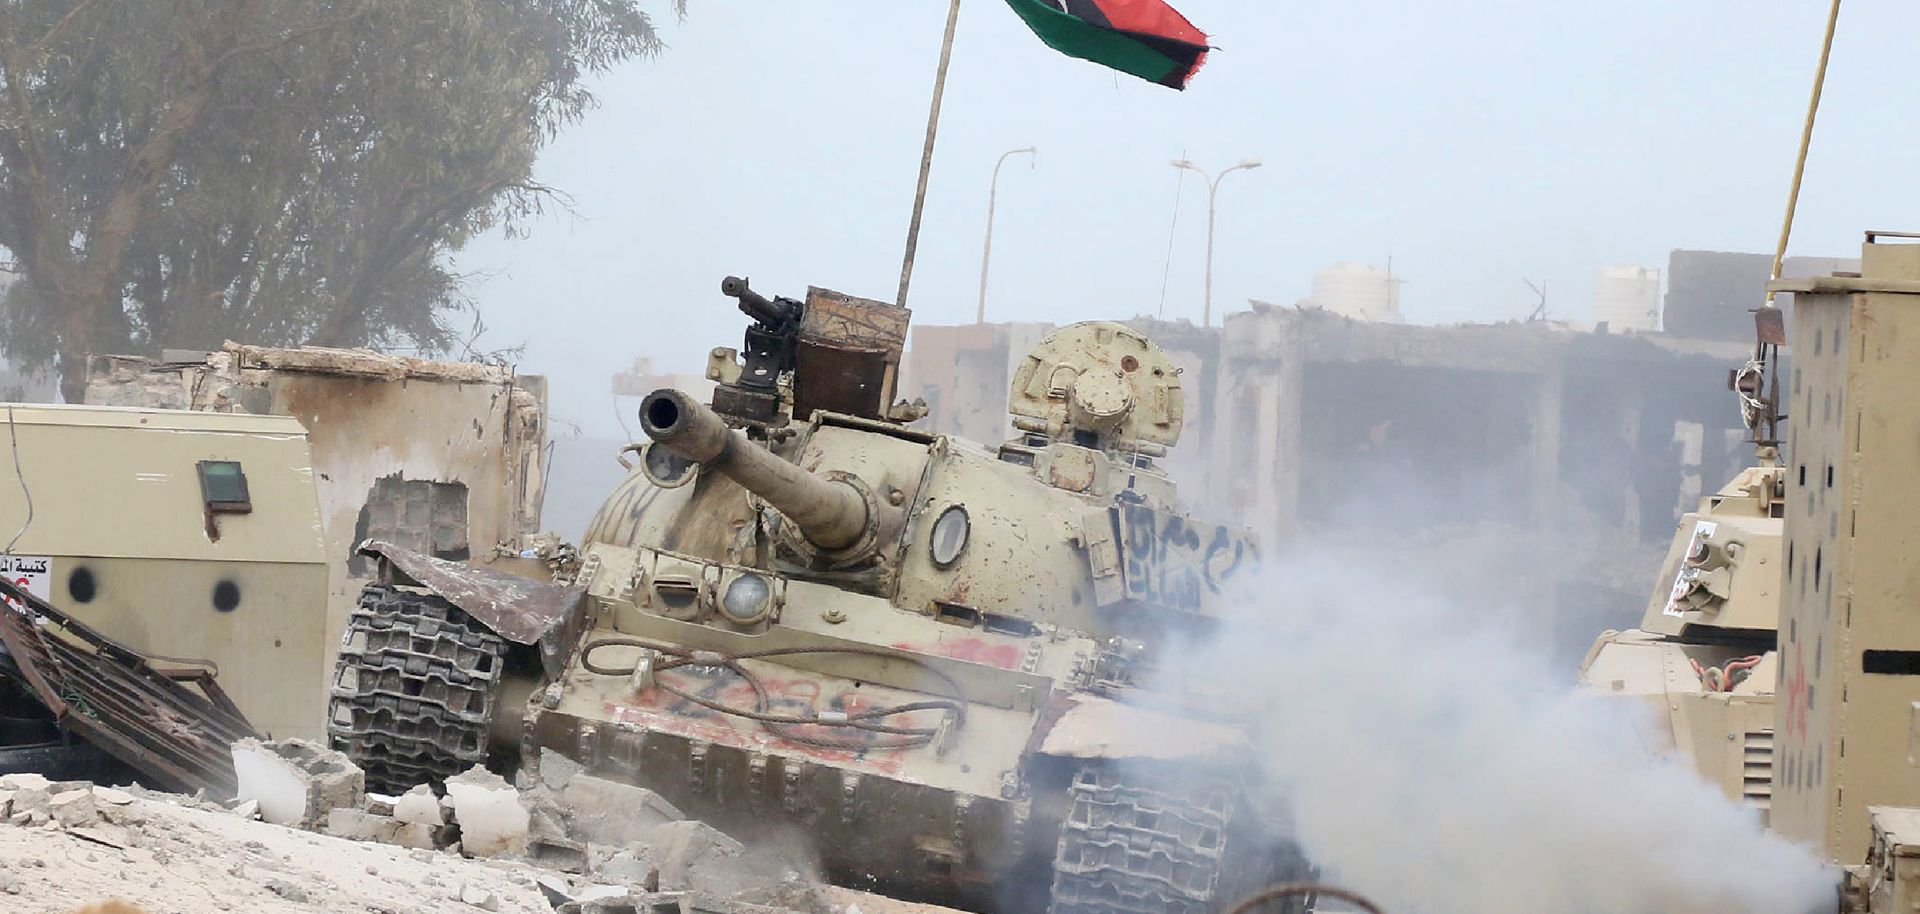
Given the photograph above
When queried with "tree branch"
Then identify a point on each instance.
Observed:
(46, 41)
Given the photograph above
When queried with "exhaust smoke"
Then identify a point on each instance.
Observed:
(1436, 765)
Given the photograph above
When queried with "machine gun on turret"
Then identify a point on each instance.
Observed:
(832, 352)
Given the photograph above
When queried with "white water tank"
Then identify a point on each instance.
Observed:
(1628, 298)
(1358, 291)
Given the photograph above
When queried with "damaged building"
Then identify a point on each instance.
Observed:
(444, 458)
(1498, 446)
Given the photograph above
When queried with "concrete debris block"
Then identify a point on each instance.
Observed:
(360, 825)
(108, 796)
(247, 809)
(693, 856)
(556, 770)
(478, 896)
(420, 807)
(6, 803)
(557, 853)
(287, 890)
(74, 808)
(555, 888)
(24, 780)
(296, 781)
(629, 866)
(606, 812)
(30, 800)
(380, 804)
(492, 821)
(594, 891)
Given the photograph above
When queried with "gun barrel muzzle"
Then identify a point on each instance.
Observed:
(830, 514)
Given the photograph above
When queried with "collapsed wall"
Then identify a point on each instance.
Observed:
(445, 458)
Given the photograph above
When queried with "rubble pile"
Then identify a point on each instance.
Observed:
(305, 836)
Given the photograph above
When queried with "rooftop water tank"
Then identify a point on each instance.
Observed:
(1358, 291)
(1628, 298)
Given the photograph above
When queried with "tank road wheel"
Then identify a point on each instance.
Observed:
(1138, 842)
(414, 688)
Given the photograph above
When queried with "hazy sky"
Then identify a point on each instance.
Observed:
(1476, 143)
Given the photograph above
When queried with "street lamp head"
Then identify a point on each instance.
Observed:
(1183, 163)
(1248, 163)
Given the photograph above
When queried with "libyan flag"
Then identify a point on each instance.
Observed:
(1144, 38)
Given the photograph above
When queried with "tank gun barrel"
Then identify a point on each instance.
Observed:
(830, 514)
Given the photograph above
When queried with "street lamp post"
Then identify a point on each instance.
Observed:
(1213, 184)
(986, 247)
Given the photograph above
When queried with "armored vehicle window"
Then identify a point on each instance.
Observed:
(224, 486)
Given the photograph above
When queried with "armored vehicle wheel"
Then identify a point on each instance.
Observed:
(414, 688)
(1137, 842)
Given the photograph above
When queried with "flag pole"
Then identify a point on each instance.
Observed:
(926, 153)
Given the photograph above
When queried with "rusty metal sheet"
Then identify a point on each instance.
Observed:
(854, 324)
(117, 698)
(520, 609)
(1770, 324)
(1093, 727)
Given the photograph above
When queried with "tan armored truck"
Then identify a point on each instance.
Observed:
(194, 537)
(799, 614)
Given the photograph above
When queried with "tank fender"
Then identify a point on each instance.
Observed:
(520, 609)
(1090, 727)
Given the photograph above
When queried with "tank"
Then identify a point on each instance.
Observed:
(1627, 298)
(1703, 658)
(798, 614)
(1358, 291)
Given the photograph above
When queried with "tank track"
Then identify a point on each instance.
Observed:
(414, 688)
(1139, 844)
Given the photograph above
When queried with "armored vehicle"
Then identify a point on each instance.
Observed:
(1703, 657)
(113, 507)
(799, 613)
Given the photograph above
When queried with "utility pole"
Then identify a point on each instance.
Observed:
(986, 247)
(1213, 184)
(926, 153)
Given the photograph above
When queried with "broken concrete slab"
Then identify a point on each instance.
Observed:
(478, 896)
(380, 804)
(74, 808)
(29, 800)
(693, 855)
(419, 806)
(296, 781)
(607, 812)
(359, 825)
(556, 770)
(487, 808)
(23, 780)
(630, 866)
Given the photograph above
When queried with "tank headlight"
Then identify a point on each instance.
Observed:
(949, 538)
(665, 468)
(747, 599)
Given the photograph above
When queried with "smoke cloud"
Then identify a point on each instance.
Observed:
(1436, 764)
